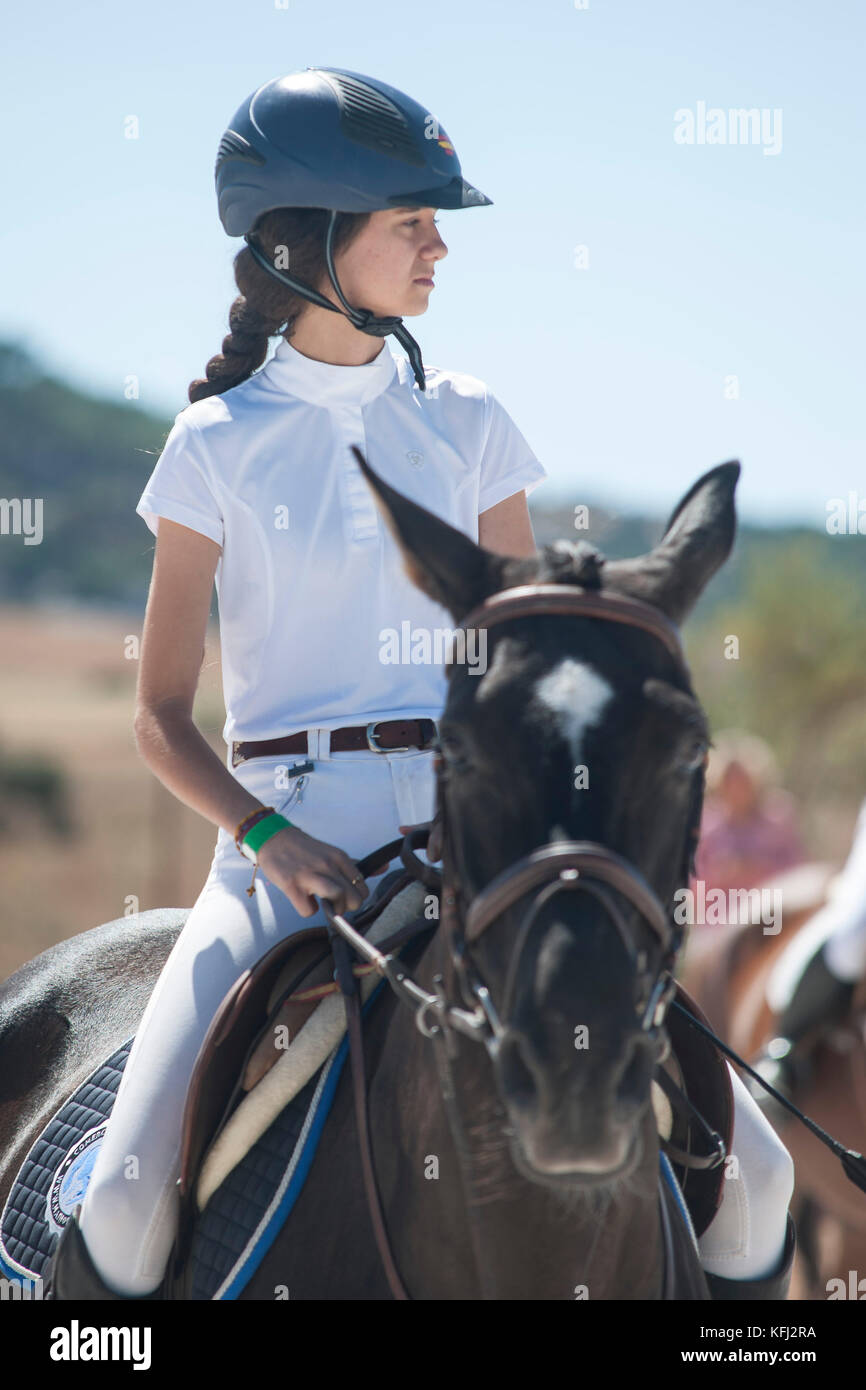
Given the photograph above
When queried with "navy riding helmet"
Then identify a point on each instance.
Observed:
(329, 138)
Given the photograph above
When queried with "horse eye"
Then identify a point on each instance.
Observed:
(695, 755)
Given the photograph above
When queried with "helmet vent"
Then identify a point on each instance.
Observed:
(373, 120)
(234, 146)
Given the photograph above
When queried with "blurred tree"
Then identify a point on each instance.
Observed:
(799, 678)
(32, 780)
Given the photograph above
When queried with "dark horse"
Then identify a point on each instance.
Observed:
(578, 729)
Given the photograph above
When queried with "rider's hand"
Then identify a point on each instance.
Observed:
(302, 865)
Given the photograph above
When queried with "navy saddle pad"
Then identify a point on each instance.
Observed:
(239, 1223)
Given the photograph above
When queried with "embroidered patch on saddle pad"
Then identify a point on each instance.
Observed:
(53, 1177)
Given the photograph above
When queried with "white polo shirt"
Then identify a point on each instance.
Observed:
(310, 580)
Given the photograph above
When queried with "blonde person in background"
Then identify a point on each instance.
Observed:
(749, 830)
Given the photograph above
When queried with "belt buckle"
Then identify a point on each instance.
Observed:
(374, 747)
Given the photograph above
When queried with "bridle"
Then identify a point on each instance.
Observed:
(581, 865)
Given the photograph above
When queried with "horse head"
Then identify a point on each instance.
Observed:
(572, 729)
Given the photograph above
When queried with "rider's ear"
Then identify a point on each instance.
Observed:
(696, 542)
(441, 560)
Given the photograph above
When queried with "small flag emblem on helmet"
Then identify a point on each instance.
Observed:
(445, 144)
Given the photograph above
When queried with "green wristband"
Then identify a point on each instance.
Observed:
(263, 830)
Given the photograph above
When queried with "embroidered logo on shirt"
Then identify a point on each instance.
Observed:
(416, 460)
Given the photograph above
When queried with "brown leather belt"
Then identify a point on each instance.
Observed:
(382, 736)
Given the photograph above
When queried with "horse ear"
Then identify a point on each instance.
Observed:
(439, 559)
(696, 542)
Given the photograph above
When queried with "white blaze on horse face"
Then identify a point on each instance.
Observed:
(577, 698)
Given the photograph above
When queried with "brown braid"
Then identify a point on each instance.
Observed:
(265, 307)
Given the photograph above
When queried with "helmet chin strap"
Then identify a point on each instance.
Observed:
(363, 319)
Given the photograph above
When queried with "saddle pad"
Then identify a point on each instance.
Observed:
(239, 1223)
(54, 1176)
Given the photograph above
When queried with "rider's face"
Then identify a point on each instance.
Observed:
(389, 266)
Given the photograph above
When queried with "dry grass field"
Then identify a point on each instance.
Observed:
(67, 693)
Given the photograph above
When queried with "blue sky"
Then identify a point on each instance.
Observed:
(705, 261)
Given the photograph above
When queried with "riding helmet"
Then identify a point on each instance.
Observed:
(335, 139)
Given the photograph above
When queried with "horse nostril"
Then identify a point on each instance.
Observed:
(517, 1079)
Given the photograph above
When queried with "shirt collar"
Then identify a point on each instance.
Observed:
(327, 383)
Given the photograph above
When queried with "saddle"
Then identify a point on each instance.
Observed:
(692, 1093)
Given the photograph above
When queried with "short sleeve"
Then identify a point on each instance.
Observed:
(507, 462)
(180, 487)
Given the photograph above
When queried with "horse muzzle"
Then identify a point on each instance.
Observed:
(583, 1125)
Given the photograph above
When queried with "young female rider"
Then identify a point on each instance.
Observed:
(257, 488)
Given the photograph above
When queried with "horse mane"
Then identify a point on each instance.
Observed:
(570, 562)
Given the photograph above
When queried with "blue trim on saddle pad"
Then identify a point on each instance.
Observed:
(18, 1275)
(301, 1162)
(670, 1178)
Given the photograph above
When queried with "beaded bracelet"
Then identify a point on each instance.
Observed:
(249, 821)
(253, 831)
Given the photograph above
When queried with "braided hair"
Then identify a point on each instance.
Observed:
(264, 306)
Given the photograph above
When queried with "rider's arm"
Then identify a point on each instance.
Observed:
(507, 528)
(172, 652)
